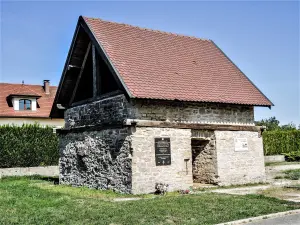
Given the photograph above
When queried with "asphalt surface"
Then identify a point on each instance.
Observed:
(284, 220)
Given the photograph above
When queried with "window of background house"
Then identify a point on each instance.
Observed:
(24, 104)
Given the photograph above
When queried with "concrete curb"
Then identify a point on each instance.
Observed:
(263, 217)
(274, 158)
(29, 171)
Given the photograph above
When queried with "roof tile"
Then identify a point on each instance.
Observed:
(162, 65)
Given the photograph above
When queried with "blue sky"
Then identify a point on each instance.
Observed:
(262, 38)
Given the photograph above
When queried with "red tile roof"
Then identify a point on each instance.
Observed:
(161, 65)
(45, 101)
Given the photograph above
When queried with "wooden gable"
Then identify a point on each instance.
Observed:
(88, 74)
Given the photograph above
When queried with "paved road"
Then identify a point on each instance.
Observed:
(285, 220)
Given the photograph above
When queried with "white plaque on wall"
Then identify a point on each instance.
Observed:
(241, 144)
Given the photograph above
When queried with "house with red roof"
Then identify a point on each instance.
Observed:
(145, 107)
(27, 104)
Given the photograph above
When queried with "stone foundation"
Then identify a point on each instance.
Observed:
(123, 159)
(97, 159)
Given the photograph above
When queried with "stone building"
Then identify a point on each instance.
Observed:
(144, 106)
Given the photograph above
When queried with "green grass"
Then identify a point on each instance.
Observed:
(280, 163)
(231, 186)
(292, 174)
(34, 201)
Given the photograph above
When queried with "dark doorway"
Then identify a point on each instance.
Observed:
(198, 159)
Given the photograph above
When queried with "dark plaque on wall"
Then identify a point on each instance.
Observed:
(162, 151)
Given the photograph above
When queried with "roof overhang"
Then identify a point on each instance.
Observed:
(24, 96)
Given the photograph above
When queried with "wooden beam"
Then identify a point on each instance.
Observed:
(195, 126)
(95, 78)
(121, 84)
(163, 124)
(98, 73)
(100, 97)
(97, 127)
(80, 73)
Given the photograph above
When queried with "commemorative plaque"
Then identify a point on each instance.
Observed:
(241, 144)
(162, 151)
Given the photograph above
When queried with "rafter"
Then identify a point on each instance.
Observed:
(105, 58)
(80, 73)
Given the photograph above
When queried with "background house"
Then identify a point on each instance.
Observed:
(25, 103)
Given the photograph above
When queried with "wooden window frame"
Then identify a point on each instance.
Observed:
(24, 105)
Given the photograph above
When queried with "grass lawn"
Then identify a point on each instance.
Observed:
(34, 201)
(280, 163)
(292, 174)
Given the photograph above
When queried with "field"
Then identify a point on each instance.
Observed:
(36, 201)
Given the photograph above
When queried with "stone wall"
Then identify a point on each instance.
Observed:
(97, 159)
(123, 159)
(107, 111)
(116, 109)
(205, 161)
(189, 111)
(239, 167)
(145, 173)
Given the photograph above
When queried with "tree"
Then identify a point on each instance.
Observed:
(272, 123)
(289, 126)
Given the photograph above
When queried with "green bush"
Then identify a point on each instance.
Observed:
(292, 156)
(279, 142)
(27, 145)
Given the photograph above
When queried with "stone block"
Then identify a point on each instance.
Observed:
(239, 167)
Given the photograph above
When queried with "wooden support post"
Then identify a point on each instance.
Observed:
(95, 78)
(80, 73)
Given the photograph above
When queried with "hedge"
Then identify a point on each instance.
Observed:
(27, 145)
(279, 142)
